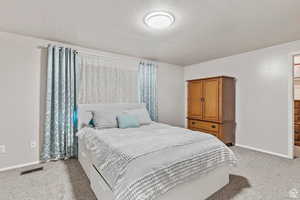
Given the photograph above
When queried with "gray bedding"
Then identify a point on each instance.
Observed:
(144, 163)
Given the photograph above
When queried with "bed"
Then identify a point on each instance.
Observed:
(152, 162)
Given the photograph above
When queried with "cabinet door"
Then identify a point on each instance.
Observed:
(211, 99)
(195, 107)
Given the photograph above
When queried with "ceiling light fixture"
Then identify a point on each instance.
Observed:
(159, 19)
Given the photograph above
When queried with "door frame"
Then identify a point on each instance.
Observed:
(291, 134)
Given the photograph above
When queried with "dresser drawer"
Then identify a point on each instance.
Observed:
(204, 131)
(206, 126)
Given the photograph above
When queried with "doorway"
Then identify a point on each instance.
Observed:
(296, 67)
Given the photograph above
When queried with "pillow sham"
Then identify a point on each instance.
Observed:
(141, 114)
(127, 121)
(106, 119)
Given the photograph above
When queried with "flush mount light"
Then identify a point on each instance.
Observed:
(159, 19)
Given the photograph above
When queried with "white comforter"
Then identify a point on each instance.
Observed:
(144, 163)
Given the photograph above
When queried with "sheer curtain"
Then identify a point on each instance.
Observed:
(148, 87)
(102, 81)
(59, 141)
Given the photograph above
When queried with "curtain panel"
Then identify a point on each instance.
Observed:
(148, 87)
(102, 81)
(59, 141)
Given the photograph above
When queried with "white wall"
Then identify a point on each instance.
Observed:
(19, 107)
(171, 95)
(263, 94)
(22, 83)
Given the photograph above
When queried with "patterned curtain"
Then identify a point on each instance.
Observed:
(59, 141)
(148, 87)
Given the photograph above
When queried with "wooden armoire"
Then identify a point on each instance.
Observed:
(211, 107)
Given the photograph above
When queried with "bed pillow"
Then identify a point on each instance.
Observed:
(127, 121)
(141, 114)
(92, 123)
(106, 119)
(86, 119)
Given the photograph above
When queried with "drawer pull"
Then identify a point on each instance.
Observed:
(213, 126)
(193, 122)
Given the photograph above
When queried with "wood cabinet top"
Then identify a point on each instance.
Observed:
(229, 77)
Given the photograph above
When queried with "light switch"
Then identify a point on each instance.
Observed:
(32, 144)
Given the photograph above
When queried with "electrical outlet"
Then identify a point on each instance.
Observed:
(2, 149)
(33, 144)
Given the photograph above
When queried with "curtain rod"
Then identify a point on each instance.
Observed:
(100, 55)
(93, 54)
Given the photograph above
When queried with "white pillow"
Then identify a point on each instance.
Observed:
(141, 114)
(106, 119)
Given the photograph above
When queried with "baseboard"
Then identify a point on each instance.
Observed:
(19, 166)
(263, 151)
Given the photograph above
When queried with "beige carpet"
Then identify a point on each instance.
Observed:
(257, 176)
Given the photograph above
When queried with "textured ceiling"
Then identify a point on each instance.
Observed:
(203, 30)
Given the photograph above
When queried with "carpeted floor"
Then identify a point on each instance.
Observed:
(257, 176)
